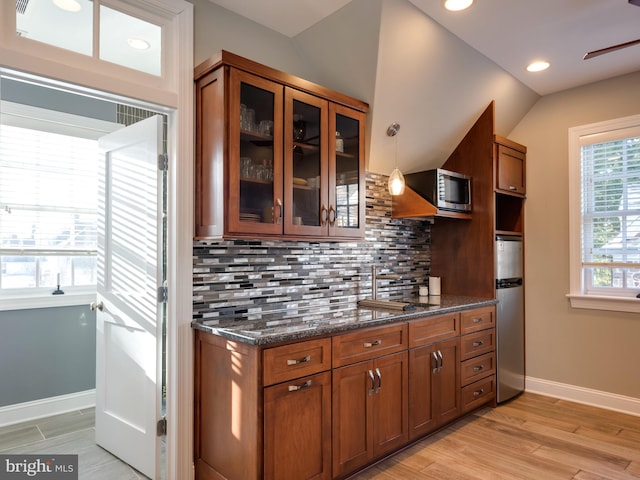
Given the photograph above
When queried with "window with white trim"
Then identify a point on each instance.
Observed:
(48, 201)
(605, 220)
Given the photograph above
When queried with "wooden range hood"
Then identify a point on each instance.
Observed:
(413, 205)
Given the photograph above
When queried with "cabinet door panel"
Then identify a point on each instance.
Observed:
(254, 155)
(297, 429)
(346, 172)
(305, 164)
(448, 391)
(421, 415)
(390, 412)
(352, 434)
(510, 170)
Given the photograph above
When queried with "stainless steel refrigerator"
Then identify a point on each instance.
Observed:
(509, 316)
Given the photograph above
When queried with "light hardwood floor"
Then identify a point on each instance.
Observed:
(69, 433)
(531, 437)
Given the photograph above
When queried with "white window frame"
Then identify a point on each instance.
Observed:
(176, 93)
(27, 116)
(600, 132)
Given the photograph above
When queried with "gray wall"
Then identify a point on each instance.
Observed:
(36, 96)
(46, 352)
(594, 349)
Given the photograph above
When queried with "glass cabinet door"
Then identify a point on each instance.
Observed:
(306, 208)
(346, 172)
(255, 155)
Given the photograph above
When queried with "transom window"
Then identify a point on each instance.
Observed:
(69, 24)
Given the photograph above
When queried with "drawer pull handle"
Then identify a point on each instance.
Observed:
(477, 320)
(373, 383)
(372, 344)
(479, 368)
(511, 187)
(477, 393)
(479, 343)
(437, 364)
(295, 388)
(379, 380)
(441, 361)
(296, 362)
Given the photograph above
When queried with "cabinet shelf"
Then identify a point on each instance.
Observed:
(254, 137)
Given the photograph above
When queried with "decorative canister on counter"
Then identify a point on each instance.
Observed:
(423, 291)
(434, 285)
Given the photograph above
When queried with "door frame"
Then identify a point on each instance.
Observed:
(176, 94)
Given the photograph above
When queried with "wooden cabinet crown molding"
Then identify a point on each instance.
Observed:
(231, 59)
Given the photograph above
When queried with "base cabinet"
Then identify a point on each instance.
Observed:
(369, 411)
(434, 372)
(323, 408)
(297, 429)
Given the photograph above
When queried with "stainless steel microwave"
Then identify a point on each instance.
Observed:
(445, 189)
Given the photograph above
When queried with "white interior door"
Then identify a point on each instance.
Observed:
(129, 326)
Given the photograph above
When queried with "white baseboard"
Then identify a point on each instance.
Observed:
(587, 396)
(46, 407)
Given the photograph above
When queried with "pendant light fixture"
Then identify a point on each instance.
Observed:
(396, 179)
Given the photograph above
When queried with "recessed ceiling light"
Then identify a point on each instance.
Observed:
(537, 66)
(457, 5)
(68, 5)
(138, 43)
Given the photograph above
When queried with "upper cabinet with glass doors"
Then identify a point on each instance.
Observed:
(276, 156)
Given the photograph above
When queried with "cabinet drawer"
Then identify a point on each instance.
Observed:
(477, 368)
(478, 343)
(478, 393)
(367, 344)
(296, 360)
(432, 329)
(478, 319)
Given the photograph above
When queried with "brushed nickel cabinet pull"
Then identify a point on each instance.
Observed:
(302, 360)
(478, 344)
(477, 393)
(332, 215)
(279, 217)
(373, 383)
(441, 361)
(477, 320)
(372, 344)
(479, 368)
(295, 388)
(324, 216)
(379, 387)
(434, 355)
(511, 187)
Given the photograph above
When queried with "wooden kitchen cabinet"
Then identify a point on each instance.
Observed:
(262, 413)
(478, 358)
(434, 371)
(327, 406)
(370, 411)
(510, 167)
(268, 158)
(297, 429)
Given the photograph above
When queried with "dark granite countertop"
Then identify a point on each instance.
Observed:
(294, 324)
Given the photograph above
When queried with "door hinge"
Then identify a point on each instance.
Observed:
(163, 294)
(161, 427)
(163, 162)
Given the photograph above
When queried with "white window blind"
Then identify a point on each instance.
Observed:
(47, 209)
(610, 204)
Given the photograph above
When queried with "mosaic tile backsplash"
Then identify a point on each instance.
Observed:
(255, 277)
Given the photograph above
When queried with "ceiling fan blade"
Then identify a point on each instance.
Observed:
(602, 51)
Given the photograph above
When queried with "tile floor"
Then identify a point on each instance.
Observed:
(69, 433)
